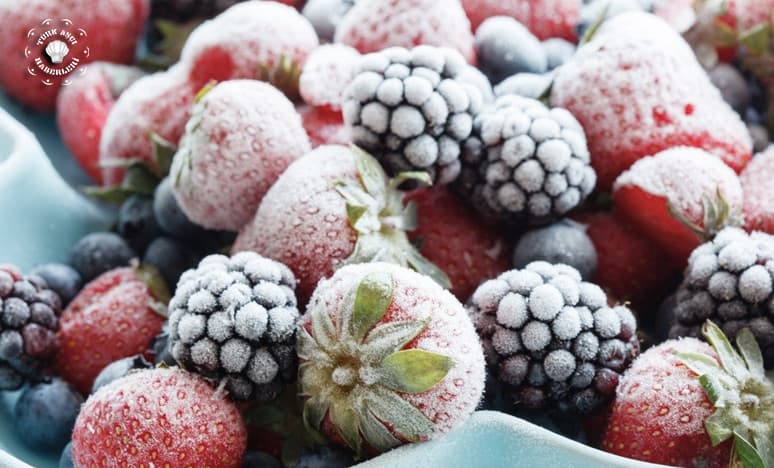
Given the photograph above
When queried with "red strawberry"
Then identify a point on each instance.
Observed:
(241, 136)
(113, 317)
(159, 103)
(333, 206)
(629, 266)
(159, 417)
(664, 413)
(373, 25)
(326, 75)
(112, 27)
(758, 196)
(456, 240)
(545, 18)
(245, 38)
(678, 197)
(324, 126)
(83, 107)
(637, 89)
(404, 363)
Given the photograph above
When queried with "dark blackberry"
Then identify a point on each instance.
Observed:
(729, 281)
(410, 109)
(234, 320)
(525, 162)
(551, 339)
(28, 325)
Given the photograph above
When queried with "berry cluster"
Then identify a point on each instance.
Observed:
(28, 325)
(235, 320)
(552, 338)
(526, 162)
(411, 109)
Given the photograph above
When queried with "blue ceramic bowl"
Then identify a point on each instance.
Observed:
(42, 215)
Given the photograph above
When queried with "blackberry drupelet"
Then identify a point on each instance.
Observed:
(525, 162)
(551, 339)
(411, 109)
(234, 320)
(28, 325)
(729, 281)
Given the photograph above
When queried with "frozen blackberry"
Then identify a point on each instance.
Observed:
(234, 320)
(551, 339)
(29, 319)
(525, 162)
(729, 281)
(411, 109)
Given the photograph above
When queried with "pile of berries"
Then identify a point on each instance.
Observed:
(339, 221)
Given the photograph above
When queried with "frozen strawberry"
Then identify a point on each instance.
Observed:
(112, 30)
(680, 14)
(637, 89)
(545, 18)
(324, 126)
(629, 265)
(373, 25)
(326, 75)
(241, 136)
(677, 198)
(758, 196)
(159, 103)
(332, 207)
(743, 15)
(683, 403)
(453, 237)
(83, 107)
(159, 417)
(246, 38)
(404, 363)
(113, 317)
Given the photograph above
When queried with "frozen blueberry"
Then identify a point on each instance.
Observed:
(592, 12)
(324, 456)
(531, 85)
(137, 222)
(66, 459)
(170, 257)
(60, 278)
(562, 242)
(558, 51)
(325, 15)
(505, 47)
(99, 252)
(257, 459)
(169, 215)
(118, 369)
(759, 135)
(732, 86)
(45, 413)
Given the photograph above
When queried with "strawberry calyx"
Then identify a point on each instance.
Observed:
(376, 211)
(283, 75)
(718, 215)
(159, 291)
(353, 370)
(743, 396)
(140, 176)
